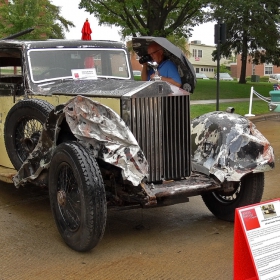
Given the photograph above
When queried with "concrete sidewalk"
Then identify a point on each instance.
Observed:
(211, 101)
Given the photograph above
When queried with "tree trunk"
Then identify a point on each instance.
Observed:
(242, 79)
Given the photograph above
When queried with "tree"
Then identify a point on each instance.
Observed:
(148, 17)
(252, 30)
(18, 15)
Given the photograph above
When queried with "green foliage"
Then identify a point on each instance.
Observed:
(223, 69)
(19, 15)
(252, 27)
(180, 42)
(148, 17)
(262, 79)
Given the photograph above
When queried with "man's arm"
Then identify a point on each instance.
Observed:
(144, 72)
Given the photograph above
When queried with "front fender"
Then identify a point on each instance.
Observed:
(99, 129)
(229, 146)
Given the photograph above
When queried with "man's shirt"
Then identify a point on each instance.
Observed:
(166, 69)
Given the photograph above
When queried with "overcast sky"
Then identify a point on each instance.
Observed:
(70, 11)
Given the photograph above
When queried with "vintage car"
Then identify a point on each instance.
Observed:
(74, 120)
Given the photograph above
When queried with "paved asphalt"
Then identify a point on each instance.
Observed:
(178, 242)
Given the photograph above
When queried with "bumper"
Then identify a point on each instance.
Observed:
(174, 192)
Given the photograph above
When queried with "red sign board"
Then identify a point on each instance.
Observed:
(257, 241)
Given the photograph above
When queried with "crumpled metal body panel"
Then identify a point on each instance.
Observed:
(229, 146)
(97, 127)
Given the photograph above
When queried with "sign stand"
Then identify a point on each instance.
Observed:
(243, 266)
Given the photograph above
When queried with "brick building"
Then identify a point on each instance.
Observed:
(252, 69)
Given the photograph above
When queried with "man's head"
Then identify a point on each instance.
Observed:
(156, 52)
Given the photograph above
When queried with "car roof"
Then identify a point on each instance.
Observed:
(61, 43)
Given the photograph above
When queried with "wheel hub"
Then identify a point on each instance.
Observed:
(61, 198)
(30, 143)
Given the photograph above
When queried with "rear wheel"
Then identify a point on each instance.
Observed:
(77, 196)
(23, 126)
(248, 191)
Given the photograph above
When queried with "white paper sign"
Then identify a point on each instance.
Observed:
(88, 73)
(262, 227)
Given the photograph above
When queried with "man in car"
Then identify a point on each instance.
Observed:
(167, 70)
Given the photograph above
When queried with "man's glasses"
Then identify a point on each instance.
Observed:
(153, 52)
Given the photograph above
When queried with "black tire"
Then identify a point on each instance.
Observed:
(248, 191)
(23, 126)
(77, 196)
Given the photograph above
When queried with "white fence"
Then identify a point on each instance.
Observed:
(266, 99)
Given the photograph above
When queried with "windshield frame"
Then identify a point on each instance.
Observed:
(126, 64)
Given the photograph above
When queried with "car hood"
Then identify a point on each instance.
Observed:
(110, 88)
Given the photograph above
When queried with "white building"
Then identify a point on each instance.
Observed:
(201, 58)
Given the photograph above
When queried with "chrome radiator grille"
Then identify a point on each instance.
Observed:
(161, 126)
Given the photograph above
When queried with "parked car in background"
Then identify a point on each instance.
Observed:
(274, 78)
(224, 77)
(201, 76)
(137, 73)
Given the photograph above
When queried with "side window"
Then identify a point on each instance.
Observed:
(10, 72)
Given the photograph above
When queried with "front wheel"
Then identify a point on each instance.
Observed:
(77, 196)
(246, 192)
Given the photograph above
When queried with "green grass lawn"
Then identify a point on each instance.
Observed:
(207, 89)
(241, 108)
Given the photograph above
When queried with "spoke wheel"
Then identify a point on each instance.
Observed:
(68, 198)
(23, 127)
(77, 196)
(27, 134)
(246, 192)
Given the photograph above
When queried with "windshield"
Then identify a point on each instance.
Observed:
(54, 64)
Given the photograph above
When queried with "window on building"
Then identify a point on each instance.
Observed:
(197, 53)
(268, 68)
(196, 70)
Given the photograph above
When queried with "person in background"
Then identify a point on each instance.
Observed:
(167, 70)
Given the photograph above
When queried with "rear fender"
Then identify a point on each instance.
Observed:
(229, 146)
